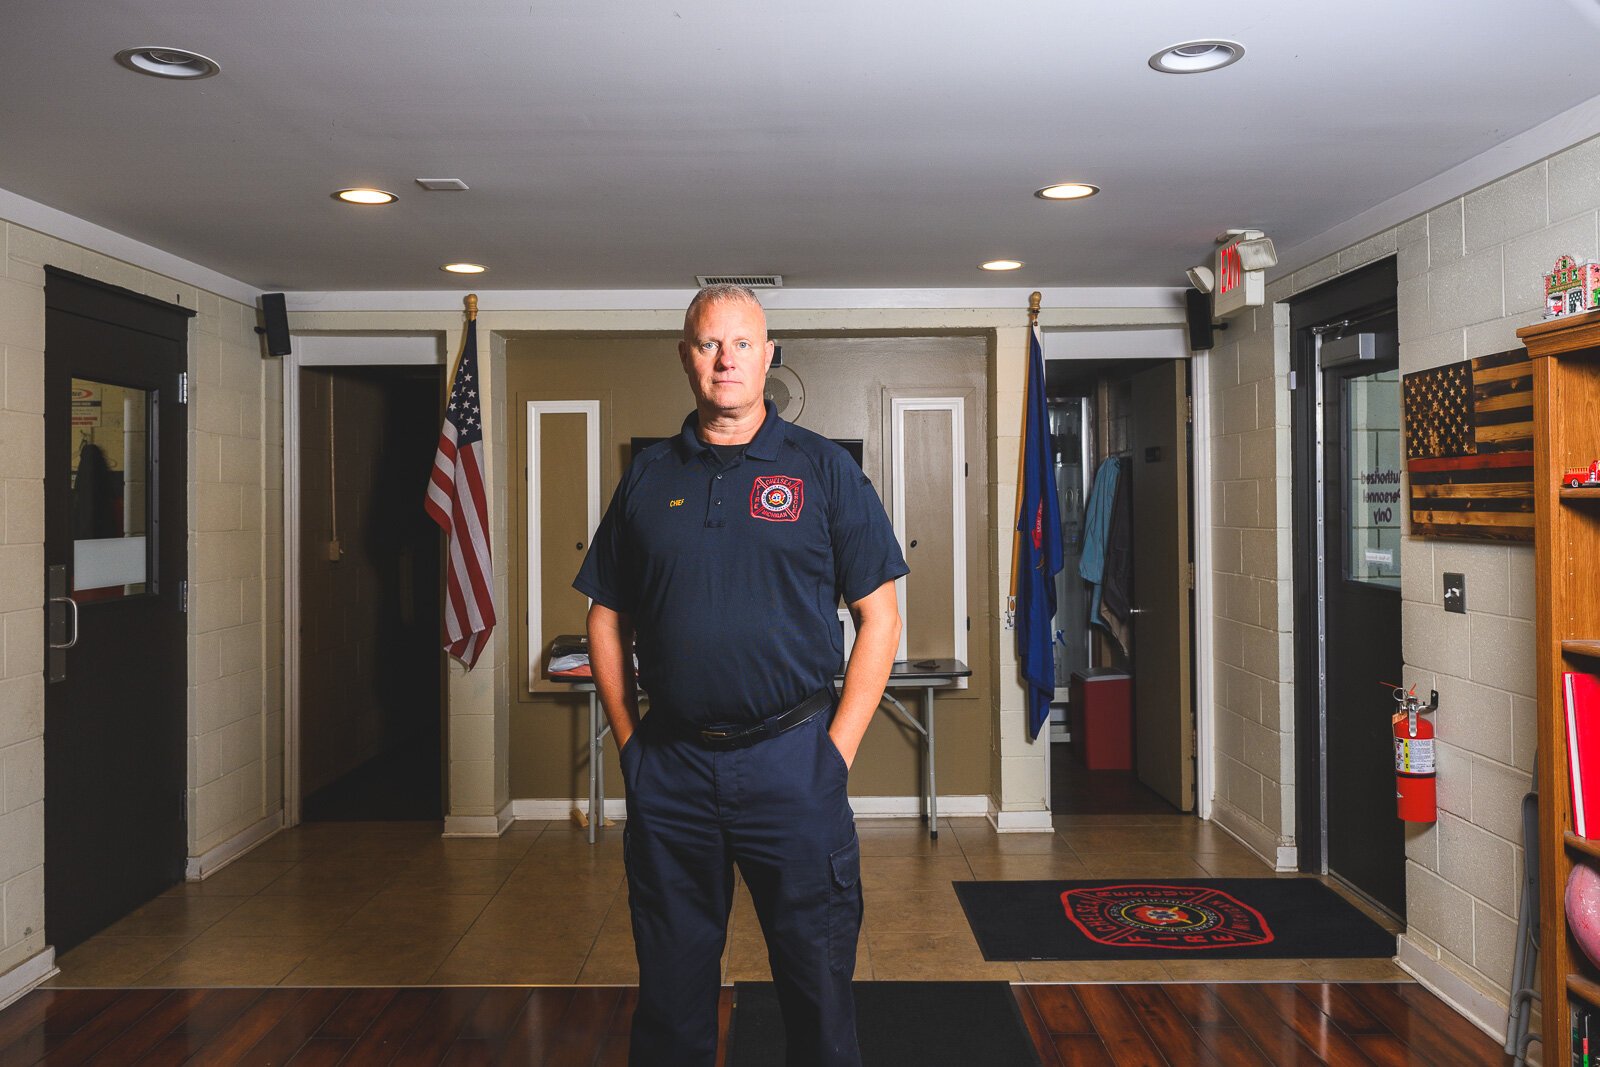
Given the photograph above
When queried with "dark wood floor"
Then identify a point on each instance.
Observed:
(1180, 1025)
(1242, 1024)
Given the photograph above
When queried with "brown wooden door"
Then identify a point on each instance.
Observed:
(115, 563)
(1163, 706)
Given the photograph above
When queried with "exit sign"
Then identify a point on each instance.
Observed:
(1236, 288)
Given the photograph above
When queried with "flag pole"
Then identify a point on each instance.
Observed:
(472, 316)
(1034, 300)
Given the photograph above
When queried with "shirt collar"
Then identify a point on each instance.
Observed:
(764, 445)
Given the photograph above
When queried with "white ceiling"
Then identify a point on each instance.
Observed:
(871, 143)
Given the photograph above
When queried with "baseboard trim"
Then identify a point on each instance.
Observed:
(21, 979)
(481, 825)
(882, 807)
(213, 860)
(1479, 1008)
(1255, 837)
(1018, 822)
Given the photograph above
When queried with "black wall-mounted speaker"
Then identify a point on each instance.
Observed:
(277, 320)
(1198, 307)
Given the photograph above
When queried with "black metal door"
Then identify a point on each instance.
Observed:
(1362, 461)
(115, 564)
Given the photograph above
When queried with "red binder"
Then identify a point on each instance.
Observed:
(1583, 747)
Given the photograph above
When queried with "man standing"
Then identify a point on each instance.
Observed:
(721, 560)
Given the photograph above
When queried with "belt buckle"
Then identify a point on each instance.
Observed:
(721, 737)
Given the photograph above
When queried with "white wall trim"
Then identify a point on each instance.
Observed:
(590, 409)
(21, 979)
(369, 349)
(482, 825)
(1481, 1009)
(1017, 822)
(96, 238)
(1010, 299)
(956, 406)
(354, 349)
(879, 807)
(214, 859)
(1571, 127)
(1204, 651)
(1255, 837)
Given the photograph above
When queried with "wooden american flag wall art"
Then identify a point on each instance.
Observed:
(1469, 448)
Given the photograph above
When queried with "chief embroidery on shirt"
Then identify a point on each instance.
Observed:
(776, 498)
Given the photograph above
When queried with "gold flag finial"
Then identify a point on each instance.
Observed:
(1034, 300)
(472, 307)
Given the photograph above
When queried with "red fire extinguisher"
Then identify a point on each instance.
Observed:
(1415, 782)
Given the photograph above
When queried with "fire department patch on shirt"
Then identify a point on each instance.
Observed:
(1165, 917)
(777, 498)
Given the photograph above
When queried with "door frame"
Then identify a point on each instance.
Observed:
(327, 349)
(1353, 295)
(535, 574)
(899, 406)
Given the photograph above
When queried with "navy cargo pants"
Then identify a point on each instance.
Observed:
(779, 810)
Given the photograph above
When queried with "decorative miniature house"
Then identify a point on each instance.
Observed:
(1572, 287)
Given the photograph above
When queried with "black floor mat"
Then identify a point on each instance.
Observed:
(1169, 918)
(930, 1024)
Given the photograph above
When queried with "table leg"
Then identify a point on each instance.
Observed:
(594, 762)
(933, 790)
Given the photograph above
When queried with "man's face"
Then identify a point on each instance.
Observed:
(726, 354)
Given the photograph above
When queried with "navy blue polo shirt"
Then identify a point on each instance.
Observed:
(732, 575)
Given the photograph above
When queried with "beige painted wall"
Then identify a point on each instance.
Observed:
(235, 564)
(642, 392)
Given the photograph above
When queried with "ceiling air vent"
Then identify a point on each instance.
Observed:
(749, 281)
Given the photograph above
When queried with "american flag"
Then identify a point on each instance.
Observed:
(1469, 441)
(457, 502)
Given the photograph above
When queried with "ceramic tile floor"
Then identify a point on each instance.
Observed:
(389, 904)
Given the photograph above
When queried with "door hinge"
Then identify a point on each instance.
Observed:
(183, 387)
(183, 805)
(1189, 574)
(1294, 381)
(1188, 409)
(183, 596)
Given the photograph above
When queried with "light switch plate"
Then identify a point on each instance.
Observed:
(1455, 593)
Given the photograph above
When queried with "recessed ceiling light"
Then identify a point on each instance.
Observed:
(167, 62)
(364, 195)
(1197, 57)
(464, 268)
(1067, 191)
(1001, 264)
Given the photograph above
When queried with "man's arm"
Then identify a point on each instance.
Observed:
(611, 663)
(877, 619)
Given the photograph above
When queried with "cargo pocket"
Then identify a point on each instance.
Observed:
(844, 905)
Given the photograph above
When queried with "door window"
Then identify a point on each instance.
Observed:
(1372, 466)
(111, 479)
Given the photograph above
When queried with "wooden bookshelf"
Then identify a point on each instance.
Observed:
(1566, 420)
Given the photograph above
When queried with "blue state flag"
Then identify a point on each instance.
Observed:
(1038, 557)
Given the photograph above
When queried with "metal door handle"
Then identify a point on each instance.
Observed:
(1135, 611)
(73, 604)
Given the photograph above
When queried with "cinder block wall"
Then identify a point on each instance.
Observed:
(235, 566)
(1470, 273)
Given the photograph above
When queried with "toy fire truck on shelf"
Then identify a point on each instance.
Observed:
(1582, 477)
(1571, 288)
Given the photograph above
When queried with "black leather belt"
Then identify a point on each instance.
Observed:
(745, 736)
